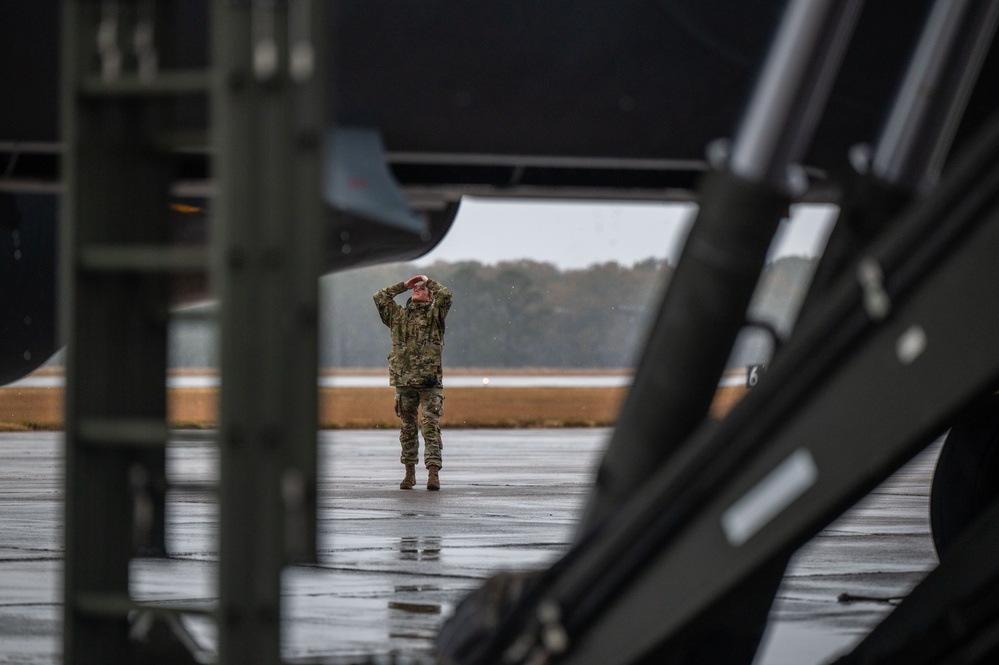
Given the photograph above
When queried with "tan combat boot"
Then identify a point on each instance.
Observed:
(433, 482)
(409, 482)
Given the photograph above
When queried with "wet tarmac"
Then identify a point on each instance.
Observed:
(394, 563)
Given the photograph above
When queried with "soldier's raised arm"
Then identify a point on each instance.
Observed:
(385, 301)
(442, 296)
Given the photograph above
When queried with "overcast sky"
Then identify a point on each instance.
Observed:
(579, 234)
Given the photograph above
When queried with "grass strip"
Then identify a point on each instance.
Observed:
(26, 409)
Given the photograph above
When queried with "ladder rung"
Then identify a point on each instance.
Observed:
(135, 432)
(99, 604)
(143, 258)
(189, 142)
(165, 83)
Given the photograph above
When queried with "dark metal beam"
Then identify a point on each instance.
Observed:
(268, 119)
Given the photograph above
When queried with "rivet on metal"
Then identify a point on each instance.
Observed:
(911, 344)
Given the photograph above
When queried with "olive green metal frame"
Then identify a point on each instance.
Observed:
(116, 269)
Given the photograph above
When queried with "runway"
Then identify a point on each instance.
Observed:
(394, 563)
(210, 380)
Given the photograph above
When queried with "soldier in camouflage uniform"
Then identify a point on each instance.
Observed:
(415, 369)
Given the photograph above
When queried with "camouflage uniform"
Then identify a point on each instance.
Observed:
(415, 367)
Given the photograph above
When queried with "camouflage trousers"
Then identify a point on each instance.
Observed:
(408, 402)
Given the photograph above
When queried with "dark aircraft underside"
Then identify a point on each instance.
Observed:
(555, 99)
(560, 98)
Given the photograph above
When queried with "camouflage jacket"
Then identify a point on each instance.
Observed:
(417, 335)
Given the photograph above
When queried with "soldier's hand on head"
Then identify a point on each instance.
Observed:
(412, 281)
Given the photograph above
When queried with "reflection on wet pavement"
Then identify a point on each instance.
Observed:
(420, 548)
(416, 608)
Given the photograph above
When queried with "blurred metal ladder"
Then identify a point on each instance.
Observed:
(117, 265)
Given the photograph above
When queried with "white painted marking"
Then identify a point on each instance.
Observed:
(775, 492)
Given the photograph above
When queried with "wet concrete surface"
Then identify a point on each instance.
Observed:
(842, 583)
(394, 563)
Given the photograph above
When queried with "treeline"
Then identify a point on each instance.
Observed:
(530, 314)
(517, 314)
(520, 314)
